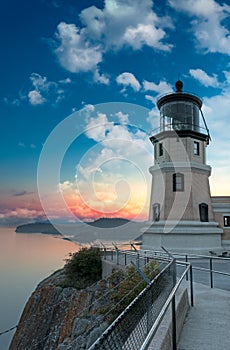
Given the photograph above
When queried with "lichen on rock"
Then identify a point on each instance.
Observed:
(60, 318)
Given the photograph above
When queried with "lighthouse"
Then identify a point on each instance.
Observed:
(180, 213)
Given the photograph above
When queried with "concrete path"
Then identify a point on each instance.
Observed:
(207, 326)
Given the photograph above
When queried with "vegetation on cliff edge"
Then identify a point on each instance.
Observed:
(83, 268)
(124, 287)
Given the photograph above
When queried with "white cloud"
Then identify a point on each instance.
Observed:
(160, 88)
(19, 215)
(39, 82)
(128, 79)
(44, 90)
(65, 81)
(112, 135)
(120, 23)
(35, 98)
(113, 173)
(100, 78)
(210, 32)
(123, 118)
(204, 78)
(94, 20)
(108, 175)
(145, 34)
(75, 52)
(153, 118)
(227, 76)
(98, 127)
(21, 144)
(14, 101)
(216, 113)
(151, 98)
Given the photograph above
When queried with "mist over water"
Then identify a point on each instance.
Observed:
(25, 260)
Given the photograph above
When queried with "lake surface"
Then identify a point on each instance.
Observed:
(25, 260)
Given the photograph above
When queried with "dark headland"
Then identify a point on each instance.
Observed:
(48, 228)
(38, 227)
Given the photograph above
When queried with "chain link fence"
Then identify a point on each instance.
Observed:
(130, 329)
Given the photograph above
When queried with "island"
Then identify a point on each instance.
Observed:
(47, 228)
(38, 227)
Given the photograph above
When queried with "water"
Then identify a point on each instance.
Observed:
(25, 260)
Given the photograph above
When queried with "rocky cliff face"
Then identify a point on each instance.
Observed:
(57, 318)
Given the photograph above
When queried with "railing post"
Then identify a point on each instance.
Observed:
(138, 260)
(174, 346)
(104, 250)
(211, 274)
(191, 286)
(149, 313)
(117, 254)
(186, 260)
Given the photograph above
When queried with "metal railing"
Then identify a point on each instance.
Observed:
(141, 258)
(170, 300)
(148, 310)
(178, 126)
(136, 325)
(210, 260)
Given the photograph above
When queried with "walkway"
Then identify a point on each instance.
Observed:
(207, 323)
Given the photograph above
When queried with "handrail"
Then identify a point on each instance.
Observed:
(210, 269)
(172, 127)
(202, 256)
(214, 271)
(158, 320)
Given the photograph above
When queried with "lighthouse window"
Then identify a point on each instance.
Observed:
(226, 220)
(196, 148)
(203, 209)
(156, 212)
(160, 149)
(178, 182)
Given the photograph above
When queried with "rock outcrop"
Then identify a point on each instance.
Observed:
(57, 318)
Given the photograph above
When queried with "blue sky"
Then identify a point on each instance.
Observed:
(59, 57)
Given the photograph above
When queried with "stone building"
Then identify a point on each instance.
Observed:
(221, 210)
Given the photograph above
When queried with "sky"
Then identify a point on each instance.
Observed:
(79, 83)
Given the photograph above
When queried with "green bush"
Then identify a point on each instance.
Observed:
(83, 268)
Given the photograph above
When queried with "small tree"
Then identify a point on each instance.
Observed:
(83, 268)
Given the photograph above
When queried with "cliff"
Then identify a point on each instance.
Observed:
(70, 309)
(57, 318)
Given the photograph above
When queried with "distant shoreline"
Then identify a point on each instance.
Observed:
(48, 228)
(101, 230)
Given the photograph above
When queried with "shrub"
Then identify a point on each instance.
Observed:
(83, 268)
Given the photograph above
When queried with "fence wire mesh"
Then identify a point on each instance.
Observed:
(130, 329)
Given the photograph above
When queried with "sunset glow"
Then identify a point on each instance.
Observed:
(79, 102)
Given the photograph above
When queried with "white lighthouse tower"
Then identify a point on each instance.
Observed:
(181, 216)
